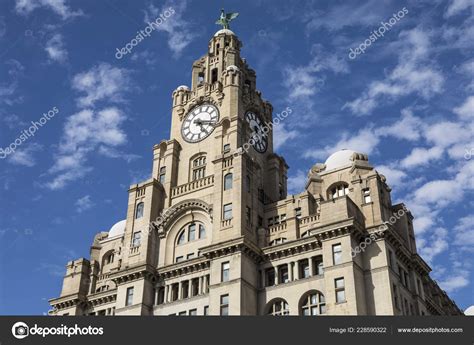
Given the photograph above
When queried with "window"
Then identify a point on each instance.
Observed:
(283, 218)
(340, 290)
(109, 258)
(190, 256)
(298, 212)
(139, 212)
(336, 254)
(193, 312)
(248, 215)
(225, 271)
(248, 183)
(395, 296)
(407, 280)
(319, 266)
(162, 175)
(228, 181)
(202, 231)
(213, 75)
(185, 289)
(201, 77)
(199, 168)
(277, 241)
(136, 240)
(313, 304)
(366, 195)
(129, 299)
(181, 237)
(270, 221)
(279, 308)
(225, 305)
(339, 190)
(283, 274)
(304, 269)
(179, 258)
(270, 276)
(182, 313)
(227, 211)
(206, 310)
(260, 221)
(226, 148)
(390, 258)
(192, 232)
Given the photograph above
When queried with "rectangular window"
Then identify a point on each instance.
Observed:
(283, 218)
(129, 299)
(249, 186)
(248, 215)
(270, 276)
(337, 254)
(179, 258)
(190, 256)
(202, 231)
(340, 290)
(195, 287)
(136, 240)
(225, 268)
(366, 194)
(227, 211)
(319, 266)
(184, 289)
(270, 221)
(193, 312)
(182, 313)
(206, 310)
(298, 212)
(228, 181)
(284, 274)
(407, 280)
(226, 148)
(225, 305)
(162, 175)
(304, 269)
(395, 296)
(390, 258)
(192, 233)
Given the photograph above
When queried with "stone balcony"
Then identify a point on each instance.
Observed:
(192, 186)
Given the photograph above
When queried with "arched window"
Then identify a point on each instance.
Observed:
(139, 212)
(191, 232)
(109, 258)
(313, 303)
(228, 181)
(278, 307)
(162, 175)
(338, 191)
(198, 168)
(182, 237)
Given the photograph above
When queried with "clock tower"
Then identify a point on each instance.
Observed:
(216, 172)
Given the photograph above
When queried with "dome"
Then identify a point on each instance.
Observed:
(118, 229)
(339, 159)
(469, 311)
(225, 32)
(182, 87)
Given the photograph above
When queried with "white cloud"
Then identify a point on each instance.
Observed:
(466, 110)
(407, 128)
(102, 82)
(413, 75)
(421, 156)
(180, 31)
(457, 6)
(55, 49)
(395, 176)
(83, 204)
(296, 183)
(24, 155)
(455, 282)
(435, 245)
(281, 135)
(464, 233)
(60, 7)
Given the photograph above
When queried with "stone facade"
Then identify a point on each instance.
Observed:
(214, 231)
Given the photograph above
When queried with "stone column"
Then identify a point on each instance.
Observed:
(311, 269)
(167, 291)
(297, 270)
(290, 271)
(180, 290)
(276, 275)
(190, 286)
(200, 285)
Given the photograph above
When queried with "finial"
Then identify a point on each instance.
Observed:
(226, 18)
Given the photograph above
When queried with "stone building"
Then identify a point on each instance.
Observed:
(213, 231)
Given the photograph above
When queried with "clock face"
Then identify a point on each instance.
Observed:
(199, 123)
(260, 138)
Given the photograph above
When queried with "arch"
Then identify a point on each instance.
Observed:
(312, 302)
(107, 259)
(337, 190)
(228, 181)
(140, 209)
(277, 307)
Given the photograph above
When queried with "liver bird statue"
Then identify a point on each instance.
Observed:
(226, 18)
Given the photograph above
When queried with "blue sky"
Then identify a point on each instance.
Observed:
(407, 101)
